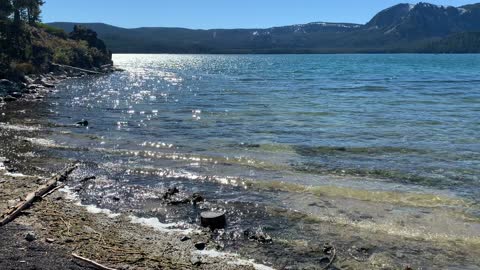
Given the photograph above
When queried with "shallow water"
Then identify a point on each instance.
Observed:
(384, 146)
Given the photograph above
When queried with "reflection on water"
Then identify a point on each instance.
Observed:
(342, 148)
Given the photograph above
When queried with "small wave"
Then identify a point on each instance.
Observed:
(306, 150)
(401, 198)
(150, 222)
(234, 259)
(18, 127)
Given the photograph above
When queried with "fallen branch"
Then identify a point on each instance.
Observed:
(53, 190)
(36, 195)
(77, 69)
(333, 253)
(93, 263)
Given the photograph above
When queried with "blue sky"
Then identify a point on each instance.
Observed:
(204, 14)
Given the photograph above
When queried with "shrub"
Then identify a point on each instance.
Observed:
(23, 68)
(53, 30)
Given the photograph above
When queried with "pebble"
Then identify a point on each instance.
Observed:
(185, 238)
(195, 261)
(49, 240)
(30, 236)
(200, 246)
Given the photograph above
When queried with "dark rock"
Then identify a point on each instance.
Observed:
(83, 123)
(16, 94)
(200, 245)
(5, 82)
(196, 198)
(213, 220)
(9, 99)
(170, 192)
(116, 198)
(185, 238)
(69, 240)
(258, 236)
(30, 236)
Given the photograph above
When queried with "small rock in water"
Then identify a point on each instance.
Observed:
(196, 198)
(200, 246)
(6, 82)
(30, 236)
(49, 240)
(213, 220)
(170, 192)
(9, 98)
(16, 94)
(83, 123)
(258, 236)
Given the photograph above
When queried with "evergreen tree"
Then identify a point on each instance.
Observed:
(6, 9)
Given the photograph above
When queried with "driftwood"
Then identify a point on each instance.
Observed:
(36, 195)
(77, 69)
(92, 263)
(332, 251)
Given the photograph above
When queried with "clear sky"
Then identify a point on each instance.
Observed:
(205, 14)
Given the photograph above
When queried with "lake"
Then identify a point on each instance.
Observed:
(305, 148)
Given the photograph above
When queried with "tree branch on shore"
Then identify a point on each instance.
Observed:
(92, 263)
(36, 195)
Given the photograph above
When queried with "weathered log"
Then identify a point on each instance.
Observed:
(77, 69)
(92, 263)
(36, 195)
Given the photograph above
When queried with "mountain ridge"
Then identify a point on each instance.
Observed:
(401, 28)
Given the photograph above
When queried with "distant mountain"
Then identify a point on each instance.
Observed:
(401, 28)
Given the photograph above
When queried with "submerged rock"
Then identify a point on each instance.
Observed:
(170, 192)
(5, 82)
(196, 198)
(83, 123)
(9, 98)
(258, 235)
(213, 220)
(16, 94)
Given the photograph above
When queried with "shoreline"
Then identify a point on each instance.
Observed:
(141, 242)
(37, 86)
(60, 223)
(60, 226)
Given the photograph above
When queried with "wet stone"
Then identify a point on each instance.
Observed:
(258, 236)
(196, 198)
(200, 245)
(185, 238)
(9, 99)
(30, 236)
(83, 123)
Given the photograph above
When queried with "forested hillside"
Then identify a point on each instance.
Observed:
(27, 46)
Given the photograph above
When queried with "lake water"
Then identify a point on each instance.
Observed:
(307, 148)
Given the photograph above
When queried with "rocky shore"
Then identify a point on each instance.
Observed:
(55, 230)
(36, 86)
(47, 235)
